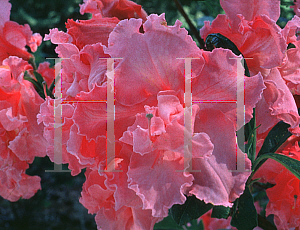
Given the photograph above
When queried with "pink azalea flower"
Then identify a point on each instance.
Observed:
(100, 198)
(21, 136)
(259, 39)
(257, 36)
(14, 37)
(149, 161)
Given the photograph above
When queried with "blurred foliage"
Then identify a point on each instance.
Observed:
(44, 15)
(55, 207)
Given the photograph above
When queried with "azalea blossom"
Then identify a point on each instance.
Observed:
(149, 152)
(258, 38)
(14, 37)
(21, 136)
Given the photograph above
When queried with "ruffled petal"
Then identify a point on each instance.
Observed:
(216, 183)
(153, 67)
(158, 191)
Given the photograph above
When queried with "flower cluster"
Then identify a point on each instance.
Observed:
(21, 136)
(153, 167)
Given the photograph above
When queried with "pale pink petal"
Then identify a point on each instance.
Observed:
(27, 146)
(93, 55)
(158, 191)
(250, 9)
(254, 87)
(91, 116)
(35, 41)
(118, 182)
(215, 183)
(296, 7)
(4, 12)
(26, 188)
(58, 37)
(141, 141)
(141, 121)
(290, 70)
(168, 105)
(278, 104)
(136, 71)
(94, 193)
(290, 29)
(90, 6)
(265, 43)
(9, 122)
(85, 151)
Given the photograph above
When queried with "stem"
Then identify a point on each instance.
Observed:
(192, 27)
(31, 61)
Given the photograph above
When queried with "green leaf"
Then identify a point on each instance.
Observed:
(38, 77)
(191, 209)
(245, 217)
(37, 85)
(52, 86)
(290, 46)
(220, 212)
(276, 137)
(167, 223)
(291, 164)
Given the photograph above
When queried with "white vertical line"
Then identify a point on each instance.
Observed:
(57, 148)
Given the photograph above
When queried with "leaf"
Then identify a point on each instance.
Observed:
(191, 209)
(37, 85)
(290, 46)
(245, 217)
(217, 40)
(276, 137)
(167, 223)
(220, 212)
(38, 77)
(291, 164)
